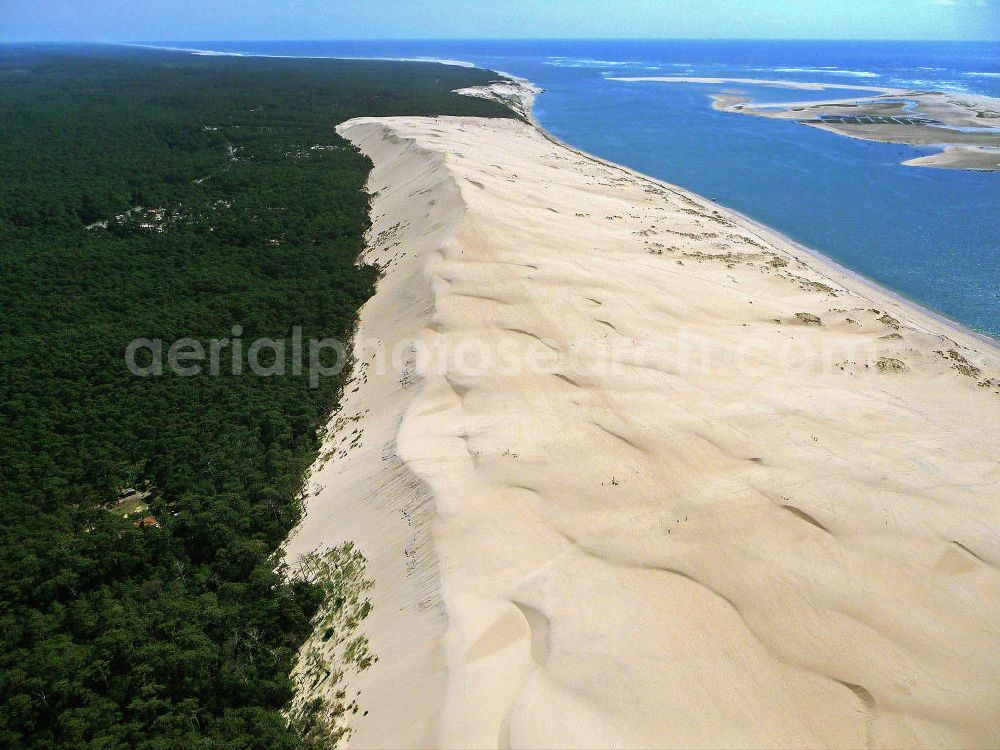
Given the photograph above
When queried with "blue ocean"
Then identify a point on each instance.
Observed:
(932, 235)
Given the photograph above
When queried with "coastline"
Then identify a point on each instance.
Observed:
(570, 604)
(874, 290)
(825, 263)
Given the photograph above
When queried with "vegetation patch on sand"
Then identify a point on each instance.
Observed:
(321, 712)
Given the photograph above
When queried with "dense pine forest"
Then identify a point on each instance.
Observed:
(164, 195)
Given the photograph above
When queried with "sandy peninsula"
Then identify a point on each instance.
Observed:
(966, 127)
(631, 471)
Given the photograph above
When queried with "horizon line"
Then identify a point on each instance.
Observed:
(510, 39)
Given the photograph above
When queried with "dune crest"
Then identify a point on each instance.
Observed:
(646, 475)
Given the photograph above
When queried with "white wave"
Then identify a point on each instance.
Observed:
(829, 70)
(611, 74)
(982, 74)
(951, 87)
(219, 53)
(191, 50)
(586, 62)
(439, 60)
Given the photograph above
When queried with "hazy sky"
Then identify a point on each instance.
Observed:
(136, 20)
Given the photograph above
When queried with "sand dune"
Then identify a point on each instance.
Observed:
(645, 475)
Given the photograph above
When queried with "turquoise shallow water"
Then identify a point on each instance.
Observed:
(931, 235)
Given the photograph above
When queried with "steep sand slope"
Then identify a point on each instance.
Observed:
(362, 492)
(670, 482)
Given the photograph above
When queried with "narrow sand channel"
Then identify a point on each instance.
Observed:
(666, 482)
